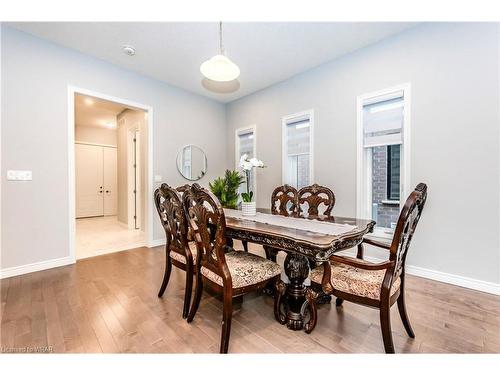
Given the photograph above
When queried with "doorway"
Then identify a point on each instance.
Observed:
(110, 170)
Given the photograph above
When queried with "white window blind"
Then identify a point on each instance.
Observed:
(297, 168)
(383, 120)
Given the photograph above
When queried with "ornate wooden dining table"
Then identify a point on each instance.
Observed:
(302, 240)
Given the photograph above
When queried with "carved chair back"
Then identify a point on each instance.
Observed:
(313, 197)
(169, 206)
(208, 226)
(183, 188)
(284, 201)
(405, 228)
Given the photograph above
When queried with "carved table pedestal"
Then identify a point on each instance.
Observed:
(295, 300)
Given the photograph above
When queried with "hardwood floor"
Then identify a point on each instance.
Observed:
(109, 304)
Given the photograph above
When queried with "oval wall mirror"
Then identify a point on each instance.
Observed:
(191, 162)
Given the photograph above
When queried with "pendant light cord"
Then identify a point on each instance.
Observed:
(221, 47)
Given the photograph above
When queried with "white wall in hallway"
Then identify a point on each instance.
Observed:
(453, 71)
(92, 134)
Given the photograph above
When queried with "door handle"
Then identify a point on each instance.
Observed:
(107, 191)
(100, 189)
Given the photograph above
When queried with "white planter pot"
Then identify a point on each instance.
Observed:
(249, 208)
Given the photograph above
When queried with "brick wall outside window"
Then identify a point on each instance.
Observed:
(386, 213)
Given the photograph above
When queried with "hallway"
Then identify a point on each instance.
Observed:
(103, 235)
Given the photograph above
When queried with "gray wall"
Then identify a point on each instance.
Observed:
(35, 79)
(453, 70)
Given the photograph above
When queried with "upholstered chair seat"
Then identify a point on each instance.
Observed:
(245, 269)
(181, 258)
(353, 280)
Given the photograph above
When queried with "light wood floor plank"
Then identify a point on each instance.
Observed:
(109, 304)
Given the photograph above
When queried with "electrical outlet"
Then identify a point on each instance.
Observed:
(19, 175)
(158, 178)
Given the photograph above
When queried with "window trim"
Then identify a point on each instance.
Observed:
(363, 190)
(309, 113)
(237, 132)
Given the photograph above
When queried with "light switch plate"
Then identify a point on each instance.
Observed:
(158, 178)
(19, 175)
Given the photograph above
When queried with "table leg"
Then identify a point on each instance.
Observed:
(295, 297)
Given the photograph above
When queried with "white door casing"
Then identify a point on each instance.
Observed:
(110, 181)
(134, 188)
(138, 186)
(89, 180)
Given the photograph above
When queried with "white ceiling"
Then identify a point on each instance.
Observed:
(95, 112)
(172, 52)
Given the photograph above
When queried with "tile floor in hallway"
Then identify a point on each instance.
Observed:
(105, 234)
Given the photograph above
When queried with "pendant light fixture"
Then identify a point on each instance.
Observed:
(220, 68)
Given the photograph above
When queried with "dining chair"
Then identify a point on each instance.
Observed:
(284, 201)
(178, 250)
(313, 198)
(378, 285)
(232, 273)
(287, 201)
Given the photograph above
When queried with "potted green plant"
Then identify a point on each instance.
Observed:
(226, 188)
(248, 205)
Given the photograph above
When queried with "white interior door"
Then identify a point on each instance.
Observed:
(110, 181)
(89, 180)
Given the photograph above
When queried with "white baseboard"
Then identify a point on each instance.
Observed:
(47, 264)
(34, 267)
(158, 242)
(466, 282)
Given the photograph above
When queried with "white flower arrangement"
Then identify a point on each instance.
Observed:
(247, 165)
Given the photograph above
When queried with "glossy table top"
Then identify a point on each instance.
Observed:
(311, 238)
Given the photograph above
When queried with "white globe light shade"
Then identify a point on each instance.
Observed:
(220, 68)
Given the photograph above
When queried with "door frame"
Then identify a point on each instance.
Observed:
(132, 200)
(72, 90)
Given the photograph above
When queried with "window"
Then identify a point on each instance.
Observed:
(297, 149)
(246, 144)
(393, 172)
(383, 156)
